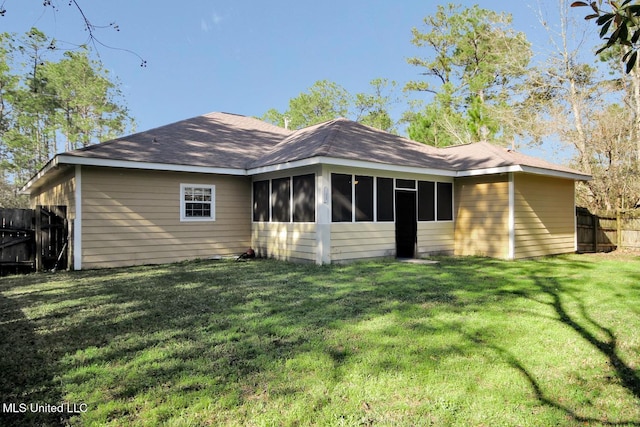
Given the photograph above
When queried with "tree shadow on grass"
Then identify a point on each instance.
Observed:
(26, 370)
(538, 388)
(201, 328)
(192, 327)
(550, 289)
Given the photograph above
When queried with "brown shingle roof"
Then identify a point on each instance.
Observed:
(346, 139)
(483, 155)
(233, 141)
(212, 140)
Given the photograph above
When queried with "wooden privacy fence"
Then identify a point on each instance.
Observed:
(606, 233)
(33, 239)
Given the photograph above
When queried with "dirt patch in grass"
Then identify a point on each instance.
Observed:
(619, 254)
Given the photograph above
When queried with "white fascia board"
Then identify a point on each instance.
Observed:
(557, 174)
(31, 183)
(489, 171)
(350, 163)
(526, 169)
(131, 164)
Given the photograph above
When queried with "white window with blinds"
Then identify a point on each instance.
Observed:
(197, 202)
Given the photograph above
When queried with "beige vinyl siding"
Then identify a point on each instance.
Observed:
(362, 240)
(133, 217)
(59, 190)
(482, 216)
(544, 216)
(436, 238)
(285, 241)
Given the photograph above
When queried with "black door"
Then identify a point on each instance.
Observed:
(406, 224)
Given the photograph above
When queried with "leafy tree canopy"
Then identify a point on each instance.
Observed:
(50, 103)
(472, 62)
(326, 100)
(619, 25)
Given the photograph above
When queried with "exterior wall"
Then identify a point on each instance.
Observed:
(481, 210)
(436, 238)
(292, 241)
(359, 240)
(133, 217)
(59, 190)
(287, 241)
(544, 216)
(350, 241)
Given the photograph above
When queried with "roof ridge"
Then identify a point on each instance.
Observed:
(501, 151)
(328, 140)
(457, 145)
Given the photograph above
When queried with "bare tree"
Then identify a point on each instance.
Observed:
(574, 102)
(88, 25)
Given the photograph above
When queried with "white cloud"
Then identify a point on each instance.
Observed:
(204, 26)
(207, 25)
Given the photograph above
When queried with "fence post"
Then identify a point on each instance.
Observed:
(619, 227)
(38, 237)
(595, 233)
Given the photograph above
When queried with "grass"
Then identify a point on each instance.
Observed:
(470, 341)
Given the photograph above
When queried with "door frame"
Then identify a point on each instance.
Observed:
(406, 222)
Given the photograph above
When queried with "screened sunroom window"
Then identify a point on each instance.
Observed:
(304, 198)
(364, 198)
(426, 201)
(445, 201)
(341, 197)
(285, 199)
(281, 200)
(261, 201)
(384, 199)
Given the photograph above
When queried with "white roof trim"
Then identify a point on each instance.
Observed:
(489, 171)
(45, 169)
(349, 163)
(63, 159)
(557, 173)
(526, 169)
(132, 164)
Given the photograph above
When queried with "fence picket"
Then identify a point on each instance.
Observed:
(32, 239)
(606, 233)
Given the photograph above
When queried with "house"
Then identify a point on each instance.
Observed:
(217, 184)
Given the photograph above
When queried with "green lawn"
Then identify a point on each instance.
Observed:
(469, 341)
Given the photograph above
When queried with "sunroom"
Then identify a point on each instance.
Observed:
(331, 213)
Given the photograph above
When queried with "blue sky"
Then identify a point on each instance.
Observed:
(244, 56)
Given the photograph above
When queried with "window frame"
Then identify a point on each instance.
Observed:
(293, 203)
(286, 210)
(341, 213)
(364, 199)
(449, 209)
(427, 213)
(299, 216)
(267, 202)
(183, 203)
(381, 184)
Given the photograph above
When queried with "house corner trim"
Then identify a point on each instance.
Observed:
(77, 221)
(511, 254)
(323, 224)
